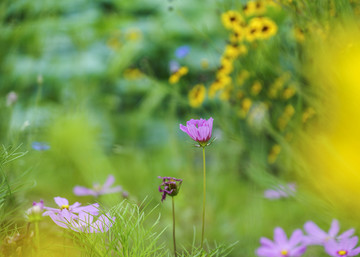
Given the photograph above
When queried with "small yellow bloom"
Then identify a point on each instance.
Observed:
(238, 35)
(249, 8)
(226, 93)
(244, 75)
(218, 84)
(253, 30)
(268, 28)
(274, 152)
(289, 110)
(197, 95)
(289, 92)
(225, 69)
(175, 77)
(256, 88)
(246, 104)
(232, 19)
(308, 114)
(133, 34)
(132, 74)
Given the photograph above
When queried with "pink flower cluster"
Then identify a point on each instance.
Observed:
(337, 246)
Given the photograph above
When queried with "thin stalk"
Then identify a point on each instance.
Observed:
(37, 235)
(173, 211)
(204, 200)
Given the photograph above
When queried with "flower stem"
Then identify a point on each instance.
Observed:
(204, 200)
(173, 210)
(37, 235)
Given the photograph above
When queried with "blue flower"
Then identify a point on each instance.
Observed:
(182, 51)
(40, 146)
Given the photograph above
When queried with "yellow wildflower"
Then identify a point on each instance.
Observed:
(289, 110)
(133, 34)
(244, 75)
(132, 74)
(256, 88)
(268, 28)
(218, 84)
(274, 152)
(197, 95)
(308, 113)
(225, 69)
(253, 30)
(246, 104)
(289, 92)
(237, 35)
(231, 19)
(175, 77)
(249, 8)
(226, 93)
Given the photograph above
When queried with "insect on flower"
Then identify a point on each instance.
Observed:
(170, 186)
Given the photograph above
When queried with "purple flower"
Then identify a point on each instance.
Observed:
(64, 207)
(282, 247)
(345, 247)
(317, 236)
(40, 146)
(182, 51)
(280, 192)
(199, 130)
(84, 222)
(35, 212)
(169, 186)
(97, 189)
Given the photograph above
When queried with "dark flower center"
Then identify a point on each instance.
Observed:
(265, 28)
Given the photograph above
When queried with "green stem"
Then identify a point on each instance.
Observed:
(204, 200)
(37, 235)
(173, 211)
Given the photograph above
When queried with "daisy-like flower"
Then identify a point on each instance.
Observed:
(199, 130)
(197, 95)
(253, 30)
(280, 192)
(281, 246)
(232, 19)
(98, 189)
(268, 28)
(317, 236)
(84, 222)
(343, 248)
(73, 209)
(169, 186)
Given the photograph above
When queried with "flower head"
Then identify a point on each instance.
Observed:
(317, 236)
(282, 247)
(199, 130)
(342, 248)
(72, 209)
(35, 212)
(98, 189)
(84, 222)
(170, 186)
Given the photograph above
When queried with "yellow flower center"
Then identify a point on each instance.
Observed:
(342, 252)
(284, 252)
(64, 206)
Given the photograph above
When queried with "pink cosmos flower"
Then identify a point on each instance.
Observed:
(97, 189)
(199, 130)
(282, 247)
(280, 192)
(317, 236)
(84, 222)
(342, 248)
(72, 209)
(35, 212)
